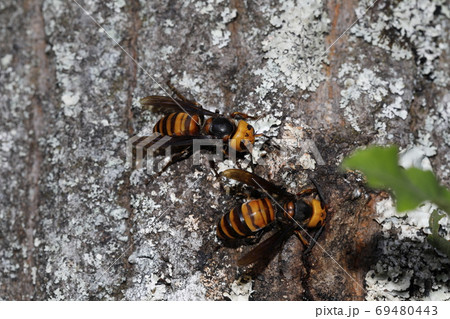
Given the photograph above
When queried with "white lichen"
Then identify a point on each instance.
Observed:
(241, 290)
(406, 257)
(363, 90)
(405, 29)
(295, 49)
(6, 60)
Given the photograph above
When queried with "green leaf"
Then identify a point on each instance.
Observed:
(379, 164)
(434, 239)
(428, 187)
(408, 197)
(435, 217)
(411, 187)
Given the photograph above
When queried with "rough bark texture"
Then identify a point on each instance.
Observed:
(78, 223)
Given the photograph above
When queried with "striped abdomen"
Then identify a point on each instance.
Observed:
(246, 220)
(178, 124)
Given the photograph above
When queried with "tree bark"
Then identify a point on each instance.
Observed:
(77, 223)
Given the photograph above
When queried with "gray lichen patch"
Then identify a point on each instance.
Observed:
(396, 89)
(241, 290)
(407, 30)
(362, 86)
(408, 267)
(83, 226)
(295, 49)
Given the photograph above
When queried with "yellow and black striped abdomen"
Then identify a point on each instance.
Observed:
(178, 124)
(245, 220)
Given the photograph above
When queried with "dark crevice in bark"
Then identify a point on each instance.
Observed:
(132, 70)
(41, 79)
